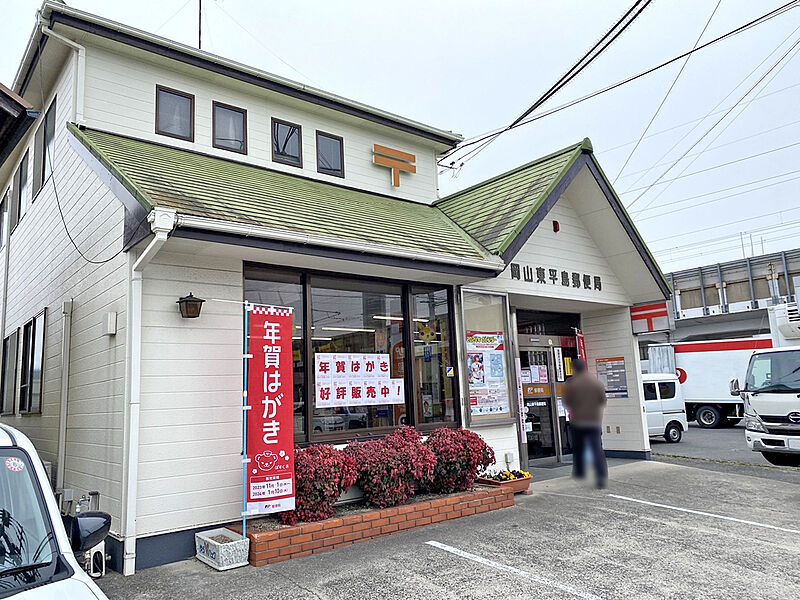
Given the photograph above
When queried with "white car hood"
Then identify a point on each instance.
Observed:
(66, 589)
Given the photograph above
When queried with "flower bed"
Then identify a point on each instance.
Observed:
(517, 481)
(284, 543)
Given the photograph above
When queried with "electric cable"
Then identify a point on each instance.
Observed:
(753, 23)
(666, 96)
(726, 249)
(175, 14)
(729, 123)
(726, 238)
(670, 237)
(717, 122)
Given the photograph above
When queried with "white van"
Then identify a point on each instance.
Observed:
(36, 553)
(663, 401)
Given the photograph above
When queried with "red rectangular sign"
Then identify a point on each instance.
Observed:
(270, 414)
(580, 342)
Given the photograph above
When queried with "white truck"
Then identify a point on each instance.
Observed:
(771, 392)
(704, 370)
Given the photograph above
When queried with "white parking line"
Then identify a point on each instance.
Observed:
(515, 571)
(705, 514)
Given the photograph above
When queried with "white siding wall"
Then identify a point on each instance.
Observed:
(126, 105)
(572, 249)
(502, 439)
(190, 470)
(44, 271)
(608, 335)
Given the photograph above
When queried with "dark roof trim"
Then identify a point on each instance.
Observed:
(202, 63)
(627, 224)
(11, 136)
(538, 216)
(322, 252)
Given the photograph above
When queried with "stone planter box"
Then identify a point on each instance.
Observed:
(221, 548)
(305, 539)
(517, 486)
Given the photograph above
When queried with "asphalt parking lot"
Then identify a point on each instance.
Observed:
(659, 531)
(724, 444)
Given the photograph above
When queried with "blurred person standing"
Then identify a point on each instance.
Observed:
(585, 399)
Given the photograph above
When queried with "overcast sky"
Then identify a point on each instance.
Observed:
(472, 66)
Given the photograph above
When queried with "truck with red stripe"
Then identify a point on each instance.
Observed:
(704, 370)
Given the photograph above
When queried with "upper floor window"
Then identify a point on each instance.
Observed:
(8, 374)
(330, 154)
(43, 149)
(287, 143)
(174, 113)
(30, 385)
(19, 202)
(230, 127)
(4, 220)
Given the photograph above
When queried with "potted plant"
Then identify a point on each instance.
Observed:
(221, 548)
(518, 481)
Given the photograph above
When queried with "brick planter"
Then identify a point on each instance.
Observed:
(268, 547)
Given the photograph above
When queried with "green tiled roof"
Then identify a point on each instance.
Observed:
(204, 186)
(495, 211)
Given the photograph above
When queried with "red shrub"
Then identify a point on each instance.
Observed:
(322, 474)
(390, 469)
(460, 456)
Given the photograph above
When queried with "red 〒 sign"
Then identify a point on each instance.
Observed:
(650, 318)
(270, 418)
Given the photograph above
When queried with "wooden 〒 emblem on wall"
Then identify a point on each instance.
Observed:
(396, 160)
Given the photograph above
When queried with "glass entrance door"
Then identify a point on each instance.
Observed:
(537, 393)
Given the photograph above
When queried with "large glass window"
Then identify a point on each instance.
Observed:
(488, 378)
(9, 374)
(20, 198)
(359, 355)
(174, 113)
(434, 383)
(230, 128)
(287, 143)
(43, 148)
(284, 289)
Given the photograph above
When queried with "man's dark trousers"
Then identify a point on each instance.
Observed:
(581, 438)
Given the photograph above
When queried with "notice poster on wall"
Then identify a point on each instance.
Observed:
(486, 371)
(356, 380)
(611, 373)
(270, 414)
(558, 363)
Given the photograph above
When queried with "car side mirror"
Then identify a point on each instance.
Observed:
(735, 391)
(89, 529)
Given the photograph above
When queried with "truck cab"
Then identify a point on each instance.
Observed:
(664, 406)
(37, 559)
(771, 396)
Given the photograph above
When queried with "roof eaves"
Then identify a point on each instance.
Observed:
(140, 196)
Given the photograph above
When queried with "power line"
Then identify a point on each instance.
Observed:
(733, 187)
(664, 99)
(726, 249)
(670, 212)
(619, 27)
(684, 124)
(719, 166)
(755, 22)
(711, 148)
(677, 235)
(175, 14)
(710, 129)
(736, 116)
(726, 238)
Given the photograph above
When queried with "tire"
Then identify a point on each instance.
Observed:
(708, 417)
(673, 433)
(782, 460)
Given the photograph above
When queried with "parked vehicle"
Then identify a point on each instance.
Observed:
(36, 551)
(664, 405)
(771, 396)
(704, 370)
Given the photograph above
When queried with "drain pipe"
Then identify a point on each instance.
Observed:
(80, 70)
(162, 222)
(66, 338)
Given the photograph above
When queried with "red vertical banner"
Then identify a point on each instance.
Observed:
(580, 341)
(270, 412)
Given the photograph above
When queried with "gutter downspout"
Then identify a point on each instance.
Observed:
(80, 70)
(162, 222)
(66, 339)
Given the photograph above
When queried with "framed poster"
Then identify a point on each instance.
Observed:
(611, 373)
(486, 373)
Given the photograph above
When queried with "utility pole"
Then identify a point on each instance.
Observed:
(199, 24)
(762, 245)
(741, 237)
(752, 250)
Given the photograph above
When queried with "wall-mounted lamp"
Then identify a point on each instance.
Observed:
(190, 306)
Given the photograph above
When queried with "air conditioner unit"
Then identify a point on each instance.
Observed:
(787, 319)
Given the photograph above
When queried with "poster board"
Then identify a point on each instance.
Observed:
(611, 373)
(356, 379)
(487, 373)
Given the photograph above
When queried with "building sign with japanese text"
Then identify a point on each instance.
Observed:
(561, 277)
(356, 380)
(270, 411)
